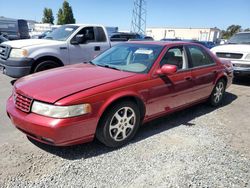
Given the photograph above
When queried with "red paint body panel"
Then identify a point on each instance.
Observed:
(100, 87)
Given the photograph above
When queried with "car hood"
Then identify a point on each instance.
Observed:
(31, 42)
(52, 85)
(238, 48)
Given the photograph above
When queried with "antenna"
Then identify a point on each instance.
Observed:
(138, 24)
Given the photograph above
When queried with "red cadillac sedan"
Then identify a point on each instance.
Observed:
(110, 97)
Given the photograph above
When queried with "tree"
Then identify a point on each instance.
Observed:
(248, 29)
(65, 14)
(48, 16)
(231, 30)
(60, 17)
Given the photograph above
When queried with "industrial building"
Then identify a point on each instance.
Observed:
(201, 34)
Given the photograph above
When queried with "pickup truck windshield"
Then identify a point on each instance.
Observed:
(130, 57)
(240, 38)
(62, 33)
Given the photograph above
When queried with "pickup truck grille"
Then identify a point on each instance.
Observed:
(242, 65)
(229, 55)
(4, 51)
(22, 102)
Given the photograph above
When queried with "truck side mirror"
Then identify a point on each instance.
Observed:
(79, 39)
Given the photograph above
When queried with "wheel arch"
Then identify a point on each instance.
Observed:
(45, 58)
(114, 100)
(222, 76)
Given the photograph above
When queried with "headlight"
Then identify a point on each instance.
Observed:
(247, 57)
(60, 111)
(18, 52)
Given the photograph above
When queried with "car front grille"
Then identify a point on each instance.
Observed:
(4, 51)
(241, 65)
(229, 55)
(22, 102)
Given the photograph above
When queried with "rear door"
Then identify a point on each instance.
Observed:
(173, 91)
(95, 44)
(204, 71)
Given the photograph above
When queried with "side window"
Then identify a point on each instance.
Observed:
(199, 57)
(89, 34)
(100, 35)
(174, 56)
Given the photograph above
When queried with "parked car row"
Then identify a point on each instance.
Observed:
(14, 29)
(207, 44)
(125, 36)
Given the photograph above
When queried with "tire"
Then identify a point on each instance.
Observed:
(218, 93)
(117, 128)
(45, 65)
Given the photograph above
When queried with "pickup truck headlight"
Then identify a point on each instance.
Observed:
(60, 111)
(17, 53)
(248, 57)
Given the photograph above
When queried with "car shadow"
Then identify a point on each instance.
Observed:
(149, 129)
(245, 81)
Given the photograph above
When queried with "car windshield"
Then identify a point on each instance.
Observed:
(240, 38)
(129, 57)
(62, 33)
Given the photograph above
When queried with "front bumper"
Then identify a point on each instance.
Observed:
(58, 132)
(241, 67)
(15, 67)
(241, 71)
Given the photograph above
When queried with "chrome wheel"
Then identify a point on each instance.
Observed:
(122, 123)
(219, 90)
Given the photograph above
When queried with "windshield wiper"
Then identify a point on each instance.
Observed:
(107, 66)
(90, 62)
(49, 38)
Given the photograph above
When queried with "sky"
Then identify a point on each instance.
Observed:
(160, 13)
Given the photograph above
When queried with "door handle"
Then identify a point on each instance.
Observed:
(188, 78)
(97, 48)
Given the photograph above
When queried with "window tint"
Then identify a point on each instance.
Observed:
(88, 32)
(199, 57)
(174, 56)
(100, 37)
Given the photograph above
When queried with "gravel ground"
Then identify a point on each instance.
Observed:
(197, 147)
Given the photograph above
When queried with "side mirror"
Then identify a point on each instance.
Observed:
(167, 70)
(79, 39)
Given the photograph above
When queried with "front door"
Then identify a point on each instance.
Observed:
(80, 53)
(174, 91)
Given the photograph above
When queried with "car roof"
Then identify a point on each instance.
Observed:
(243, 32)
(85, 25)
(163, 43)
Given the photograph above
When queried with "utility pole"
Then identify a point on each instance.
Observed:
(138, 24)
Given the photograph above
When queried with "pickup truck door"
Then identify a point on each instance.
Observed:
(95, 43)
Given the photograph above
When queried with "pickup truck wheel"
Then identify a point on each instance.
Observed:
(119, 124)
(218, 93)
(45, 65)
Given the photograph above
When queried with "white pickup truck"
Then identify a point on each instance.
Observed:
(237, 50)
(66, 45)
